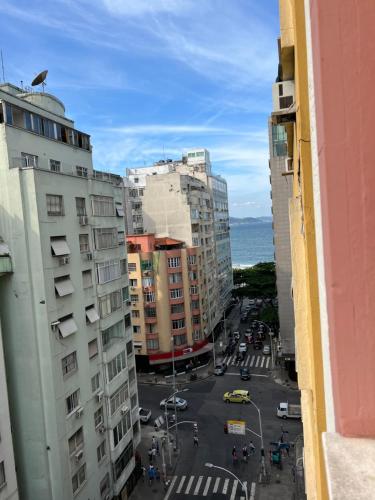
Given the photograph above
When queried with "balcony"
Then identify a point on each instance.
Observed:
(178, 315)
(150, 320)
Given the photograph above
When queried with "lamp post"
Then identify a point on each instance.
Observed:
(173, 395)
(174, 389)
(261, 438)
(229, 472)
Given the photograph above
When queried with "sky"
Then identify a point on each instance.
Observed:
(150, 79)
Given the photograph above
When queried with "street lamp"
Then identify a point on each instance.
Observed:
(229, 472)
(173, 395)
(261, 438)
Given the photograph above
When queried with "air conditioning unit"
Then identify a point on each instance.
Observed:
(289, 165)
(78, 455)
(79, 412)
(99, 395)
(101, 429)
(64, 260)
(134, 304)
(124, 409)
(89, 256)
(283, 96)
(83, 220)
(128, 303)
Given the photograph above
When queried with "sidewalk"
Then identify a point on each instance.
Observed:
(182, 378)
(281, 377)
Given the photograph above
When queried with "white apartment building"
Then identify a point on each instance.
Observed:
(64, 309)
(8, 477)
(152, 197)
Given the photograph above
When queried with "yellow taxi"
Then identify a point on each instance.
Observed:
(237, 396)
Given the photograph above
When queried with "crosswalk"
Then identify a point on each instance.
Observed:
(251, 361)
(198, 486)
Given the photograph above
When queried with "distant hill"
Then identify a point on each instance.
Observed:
(249, 220)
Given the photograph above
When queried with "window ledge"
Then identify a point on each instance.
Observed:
(349, 466)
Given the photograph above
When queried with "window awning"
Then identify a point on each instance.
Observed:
(137, 345)
(67, 327)
(64, 287)
(92, 315)
(120, 211)
(60, 247)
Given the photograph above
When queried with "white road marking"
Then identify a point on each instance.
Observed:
(247, 360)
(252, 491)
(263, 360)
(252, 361)
(216, 485)
(228, 362)
(225, 487)
(189, 485)
(170, 488)
(198, 485)
(257, 363)
(243, 362)
(268, 362)
(234, 489)
(244, 487)
(207, 487)
(181, 484)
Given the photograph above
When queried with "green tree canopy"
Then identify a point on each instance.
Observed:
(258, 281)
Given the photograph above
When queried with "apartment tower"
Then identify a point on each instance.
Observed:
(66, 324)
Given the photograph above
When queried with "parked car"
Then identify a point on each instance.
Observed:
(244, 373)
(220, 369)
(237, 396)
(236, 335)
(181, 404)
(242, 347)
(286, 410)
(144, 415)
(257, 344)
(251, 301)
(266, 349)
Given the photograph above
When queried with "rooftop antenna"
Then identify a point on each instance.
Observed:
(2, 66)
(40, 79)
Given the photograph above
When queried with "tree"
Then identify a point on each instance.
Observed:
(258, 281)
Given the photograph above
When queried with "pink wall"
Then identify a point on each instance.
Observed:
(343, 44)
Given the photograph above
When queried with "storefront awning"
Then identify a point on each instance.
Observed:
(158, 359)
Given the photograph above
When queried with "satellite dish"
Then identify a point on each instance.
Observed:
(39, 79)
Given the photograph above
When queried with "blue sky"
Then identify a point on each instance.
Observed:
(152, 78)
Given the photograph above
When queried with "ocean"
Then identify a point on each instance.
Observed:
(251, 243)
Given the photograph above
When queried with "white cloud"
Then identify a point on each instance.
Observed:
(135, 8)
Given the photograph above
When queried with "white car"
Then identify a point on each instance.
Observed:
(181, 404)
(242, 347)
(144, 415)
(266, 349)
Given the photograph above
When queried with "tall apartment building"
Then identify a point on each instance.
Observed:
(8, 477)
(166, 294)
(184, 200)
(66, 324)
(281, 124)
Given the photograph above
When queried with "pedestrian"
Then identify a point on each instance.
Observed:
(143, 474)
(153, 442)
(157, 474)
(234, 455)
(151, 474)
(150, 455)
(196, 441)
(251, 448)
(244, 453)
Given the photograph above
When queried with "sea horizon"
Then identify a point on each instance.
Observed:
(251, 243)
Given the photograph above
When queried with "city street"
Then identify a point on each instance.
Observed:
(190, 478)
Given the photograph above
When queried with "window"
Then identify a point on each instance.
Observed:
(63, 286)
(100, 451)
(67, 326)
(105, 238)
(146, 265)
(193, 275)
(195, 304)
(197, 334)
(134, 298)
(178, 323)
(135, 313)
(116, 365)
(133, 401)
(81, 171)
(76, 441)
(175, 278)
(149, 297)
(54, 165)
(174, 262)
(55, 205)
(125, 293)
(87, 278)
(79, 478)
(84, 243)
(127, 320)
(132, 375)
(136, 180)
(177, 293)
(121, 428)
(140, 192)
(95, 382)
(72, 402)
(59, 246)
(196, 320)
(123, 460)
(147, 282)
(179, 340)
(108, 271)
(123, 267)
(102, 206)
(3, 479)
(104, 486)
(132, 266)
(133, 282)
(93, 348)
(136, 329)
(115, 331)
(129, 348)
(194, 290)
(69, 364)
(30, 161)
(110, 303)
(150, 312)
(192, 259)
(118, 398)
(177, 308)
(152, 344)
(81, 206)
(98, 417)
(121, 238)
